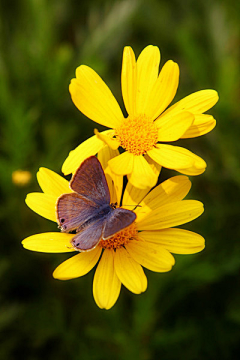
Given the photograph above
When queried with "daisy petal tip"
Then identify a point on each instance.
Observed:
(200, 165)
(25, 246)
(59, 275)
(78, 69)
(200, 208)
(127, 50)
(173, 64)
(214, 123)
(73, 86)
(216, 95)
(23, 242)
(81, 70)
(211, 96)
(42, 171)
(26, 199)
(55, 275)
(64, 171)
(175, 68)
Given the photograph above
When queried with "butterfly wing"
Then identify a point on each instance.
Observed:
(73, 210)
(90, 181)
(117, 220)
(89, 237)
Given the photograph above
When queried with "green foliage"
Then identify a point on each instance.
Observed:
(190, 313)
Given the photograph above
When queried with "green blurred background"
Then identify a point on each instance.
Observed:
(192, 312)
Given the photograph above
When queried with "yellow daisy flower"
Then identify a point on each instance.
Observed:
(149, 127)
(148, 242)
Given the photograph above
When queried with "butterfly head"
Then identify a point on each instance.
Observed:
(113, 205)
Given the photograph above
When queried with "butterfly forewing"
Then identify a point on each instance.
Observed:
(90, 181)
(73, 210)
(89, 237)
(117, 220)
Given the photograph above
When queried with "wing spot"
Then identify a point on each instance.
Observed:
(62, 221)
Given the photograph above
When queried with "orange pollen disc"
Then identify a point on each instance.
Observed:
(120, 239)
(137, 134)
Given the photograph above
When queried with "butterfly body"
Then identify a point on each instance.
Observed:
(102, 214)
(87, 210)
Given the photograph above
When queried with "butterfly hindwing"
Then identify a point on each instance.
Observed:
(117, 220)
(90, 181)
(73, 210)
(88, 238)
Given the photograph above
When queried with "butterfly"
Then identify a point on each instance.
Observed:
(88, 211)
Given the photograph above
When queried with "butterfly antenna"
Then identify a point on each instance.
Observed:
(134, 205)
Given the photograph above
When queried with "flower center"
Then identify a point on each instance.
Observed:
(137, 134)
(120, 239)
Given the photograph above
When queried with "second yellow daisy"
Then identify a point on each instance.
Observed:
(149, 127)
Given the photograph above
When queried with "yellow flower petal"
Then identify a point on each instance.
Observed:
(147, 73)
(106, 285)
(122, 164)
(129, 272)
(77, 265)
(129, 80)
(163, 90)
(202, 125)
(106, 154)
(192, 171)
(196, 103)
(196, 169)
(50, 242)
(52, 183)
(133, 196)
(151, 256)
(115, 182)
(93, 98)
(154, 165)
(88, 148)
(177, 241)
(109, 140)
(43, 205)
(175, 157)
(142, 175)
(171, 190)
(169, 215)
(171, 128)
